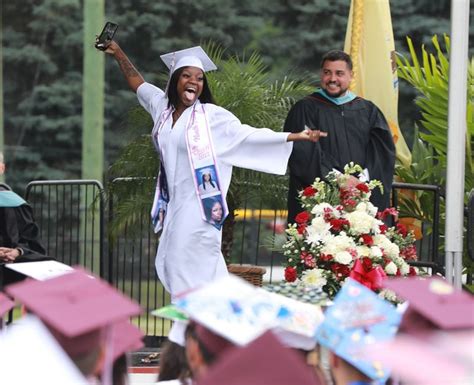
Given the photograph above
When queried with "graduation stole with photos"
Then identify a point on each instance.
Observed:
(202, 160)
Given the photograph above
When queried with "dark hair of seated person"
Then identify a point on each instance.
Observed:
(173, 363)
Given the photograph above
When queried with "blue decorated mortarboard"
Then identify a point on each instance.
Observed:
(358, 319)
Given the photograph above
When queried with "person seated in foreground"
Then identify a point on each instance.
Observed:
(19, 234)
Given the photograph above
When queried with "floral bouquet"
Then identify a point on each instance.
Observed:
(340, 234)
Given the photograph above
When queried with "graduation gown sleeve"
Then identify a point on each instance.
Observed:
(380, 157)
(241, 145)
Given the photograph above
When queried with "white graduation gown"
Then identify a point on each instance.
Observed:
(189, 252)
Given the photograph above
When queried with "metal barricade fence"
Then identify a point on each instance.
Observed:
(70, 215)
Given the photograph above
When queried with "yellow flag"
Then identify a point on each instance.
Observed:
(369, 41)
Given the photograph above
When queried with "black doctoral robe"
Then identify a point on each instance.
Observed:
(357, 132)
(19, 230)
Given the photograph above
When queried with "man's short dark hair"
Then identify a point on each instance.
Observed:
(337, 55)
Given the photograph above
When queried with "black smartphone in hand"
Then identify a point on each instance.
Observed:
(106, 35)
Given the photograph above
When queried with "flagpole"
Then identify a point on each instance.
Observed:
(456, 140)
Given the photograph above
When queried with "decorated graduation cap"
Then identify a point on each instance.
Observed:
(279, 366)
(77, 308)
(240, 312)
(433, 304)
(189, 57)
(6, 304)
(357, 319)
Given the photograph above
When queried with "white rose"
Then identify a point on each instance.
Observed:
(318, 210)
(343, 257)
(375, 252)
(313, 278)
(404, 268)
(391, 268)
(393, 250)
(363, 251)
(362, 206)
(390, 249)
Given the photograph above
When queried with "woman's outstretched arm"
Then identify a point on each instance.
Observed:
(307, 134)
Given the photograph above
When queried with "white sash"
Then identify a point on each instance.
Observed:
(202, 161)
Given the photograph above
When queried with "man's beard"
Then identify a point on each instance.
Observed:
(335, 95)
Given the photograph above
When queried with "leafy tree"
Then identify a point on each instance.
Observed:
(42, 85)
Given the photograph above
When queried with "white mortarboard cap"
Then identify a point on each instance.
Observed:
(189, 57)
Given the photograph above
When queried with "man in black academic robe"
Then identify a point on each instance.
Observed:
(19, 235)
(19, 240)
(356, 131)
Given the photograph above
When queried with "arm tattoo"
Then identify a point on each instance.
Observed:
(127, 68)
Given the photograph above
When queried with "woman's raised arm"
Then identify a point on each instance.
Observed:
(133, 77)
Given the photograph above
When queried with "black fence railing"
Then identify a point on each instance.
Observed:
(71, 216)
(429, 255)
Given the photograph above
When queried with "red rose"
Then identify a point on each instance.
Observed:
(341, 271)
(290, 274)
(383, 229)
(367, 239)
(325, 257)
(402, 230)
(302, 217)
(412, 271)
(363, 187)
(338, 224)
(367, 263)
(309, 191)
(301, 228)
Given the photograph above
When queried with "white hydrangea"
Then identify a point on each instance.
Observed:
(314, 278)
(361, 222)
(343, 257)
(337, 244)
(367, 207)
(391, 268)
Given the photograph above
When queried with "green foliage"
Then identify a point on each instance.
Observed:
(430, 77)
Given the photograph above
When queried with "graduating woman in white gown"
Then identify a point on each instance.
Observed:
(192, 134)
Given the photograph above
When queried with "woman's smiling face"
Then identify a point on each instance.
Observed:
(190, 85)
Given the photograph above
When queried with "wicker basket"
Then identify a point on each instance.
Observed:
(251, 273)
